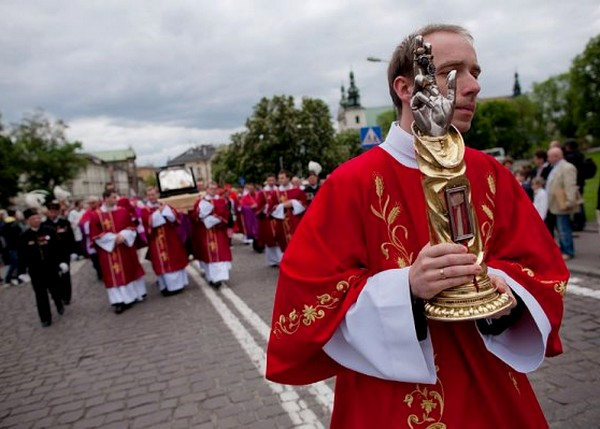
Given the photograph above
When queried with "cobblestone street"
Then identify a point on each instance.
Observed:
(195, 360)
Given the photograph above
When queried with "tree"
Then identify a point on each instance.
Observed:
(346, 145)
(584, 93)
(510, 124)
(44, 155)
(553, 100)
(278, 135)
(385, 119)
(9, 168)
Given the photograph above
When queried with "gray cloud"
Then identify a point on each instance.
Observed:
(169, 74)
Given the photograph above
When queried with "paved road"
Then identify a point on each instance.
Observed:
(196, 360)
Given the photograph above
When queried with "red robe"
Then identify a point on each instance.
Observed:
(211, 244)
(285, 228)
(266, 224)
(374, 221)
(165, 249)
(121, 266)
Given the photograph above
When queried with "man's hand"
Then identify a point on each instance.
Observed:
(501, 286)
(432, 111)
(120, 239)
(439, 267)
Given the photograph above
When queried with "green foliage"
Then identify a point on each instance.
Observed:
(385, 119)
(590, 191)
(552, 98)
(585, 91)
(346, 145)
(512, 124)
(279, 135)
(43, 154)
(9, 169)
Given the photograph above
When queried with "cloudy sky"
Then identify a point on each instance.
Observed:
(162, 76)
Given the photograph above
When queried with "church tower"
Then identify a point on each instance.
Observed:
(351, 115)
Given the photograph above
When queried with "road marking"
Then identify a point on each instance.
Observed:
(296, 408)
(321, 391)
(583, 291)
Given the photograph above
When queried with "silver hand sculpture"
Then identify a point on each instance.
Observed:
(432, 111)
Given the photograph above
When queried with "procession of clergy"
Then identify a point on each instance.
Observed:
(117, 232)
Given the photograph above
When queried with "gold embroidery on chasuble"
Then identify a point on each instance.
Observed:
(514, 381)
(394, 247)
(488, 206)
(312, 312)
(429, 406)
(559, 286)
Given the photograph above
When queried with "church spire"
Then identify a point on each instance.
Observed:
(343, 100)
(353, 93)
(516, 86)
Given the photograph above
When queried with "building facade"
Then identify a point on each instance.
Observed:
(198, 159)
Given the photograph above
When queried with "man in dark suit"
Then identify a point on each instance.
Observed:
(66, 247)
(39, 257)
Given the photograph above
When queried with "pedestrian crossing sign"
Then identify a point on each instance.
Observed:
(370, 137)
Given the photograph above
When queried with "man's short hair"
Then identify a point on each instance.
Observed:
(107, 193)
(401, 63)
(541, 154)
(29, 212)
(287, 173)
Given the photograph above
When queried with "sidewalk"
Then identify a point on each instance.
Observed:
(587, 251)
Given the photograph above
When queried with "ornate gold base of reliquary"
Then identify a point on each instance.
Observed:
(476, 300)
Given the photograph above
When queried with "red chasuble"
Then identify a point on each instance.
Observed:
(266, 224)
(211, 244)
(165, 249)
(121, 266)
(370, 218)
(285, 228)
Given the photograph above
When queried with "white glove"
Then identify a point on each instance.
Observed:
(24, 278)
(74, 256)
(64, 268)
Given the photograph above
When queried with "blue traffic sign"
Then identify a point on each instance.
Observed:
(370, 137)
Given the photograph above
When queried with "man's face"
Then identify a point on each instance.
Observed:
(454, 52)
(554, 156)
(212, 190)
(271, 181)
(538, 161)
(152, 196)
(283, 179)
(312, 180)
(34, 221)
(52, 214)
(111, 200)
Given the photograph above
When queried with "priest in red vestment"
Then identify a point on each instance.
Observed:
(114, 233)
(211, 242)
(166, 251)
(266, 223)
(349, 299)
(288, 205)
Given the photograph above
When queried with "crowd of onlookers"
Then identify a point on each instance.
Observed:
(555, 183)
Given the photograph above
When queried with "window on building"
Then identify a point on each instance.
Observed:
(357, 120)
